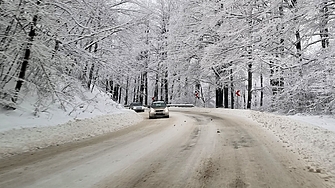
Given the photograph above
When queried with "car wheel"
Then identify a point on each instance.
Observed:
(167, 116)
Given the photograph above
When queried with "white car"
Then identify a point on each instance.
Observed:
(137, 107)
(158, 109)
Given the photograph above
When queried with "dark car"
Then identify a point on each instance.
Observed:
(137, 107)
(158, 109)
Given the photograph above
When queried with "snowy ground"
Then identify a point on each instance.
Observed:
(313, 138)
(24, 129)
(29, 138)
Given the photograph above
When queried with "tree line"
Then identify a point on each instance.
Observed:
(277, 54)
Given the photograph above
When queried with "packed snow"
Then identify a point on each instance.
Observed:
(312, 137)
(16, 141)
(93, 114)
(326, 122)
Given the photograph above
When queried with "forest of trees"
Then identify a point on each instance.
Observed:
(277, 54)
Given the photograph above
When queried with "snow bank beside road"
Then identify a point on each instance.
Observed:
(314, 144)
(326, 122)
(17, 141)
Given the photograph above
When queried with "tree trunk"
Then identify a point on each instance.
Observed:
(179, 87)
(218, 90)
(231, 89)
(172, 88)
(138, 90)
(219, 97)
(198, 91)
(162, 87)
(134, 92)
(250, 52)
(298, 47)
(107, 85)
(95, 78)
(142, 88)
(91, 80)
(127, 90)
(226, 94)
(323, 28)
(276, 79)
(146, 88)
(166, 87)
(156, 87)
(110, 88)
(262, 92)
(249, 86)
(120, 93)
(90, 77)
(186, 89)
(244, 101)
(116, 92)
(26, 58)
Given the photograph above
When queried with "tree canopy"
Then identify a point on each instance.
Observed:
(278, 54)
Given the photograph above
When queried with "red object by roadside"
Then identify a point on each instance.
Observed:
(238, 93)
(196, 95)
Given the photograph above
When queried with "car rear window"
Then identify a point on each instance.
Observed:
(136, 104)
(161, 104)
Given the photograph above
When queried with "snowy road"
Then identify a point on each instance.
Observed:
(190, 149)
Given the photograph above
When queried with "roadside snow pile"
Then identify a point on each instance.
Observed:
(20, 140)
(47, 113)
(325, 121)
(38, 122)
(314, 144)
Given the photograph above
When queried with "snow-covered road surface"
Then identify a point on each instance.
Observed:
(193, 148)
